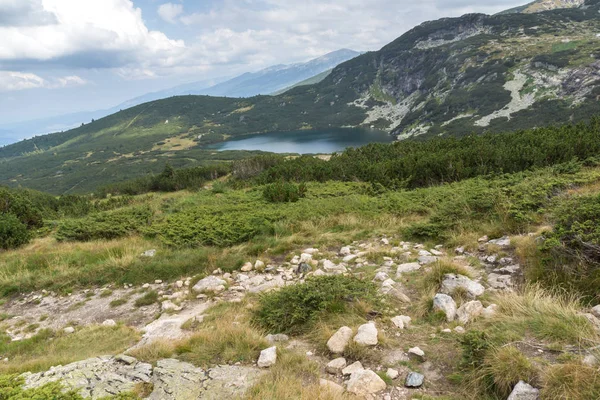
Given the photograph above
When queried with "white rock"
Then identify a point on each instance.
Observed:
(398, 322)
(350, 258)
(329, 266)
(483, 239)
(459, 329)
(338, 342)
(416, 353)
(344, 251)
(332, 388)
(364, 383)
(425, 260)
(352, 368)
(319, 272)
(167, 305)
(392, 373)
(268, 357)
(446, 304)
(446, 330)
(424, 253)
(145, 286)
(469, 311)
(367, 335)
(590, 360)
(407, 267)
(381, 276)
(109, 322)
(210, 284)
(277, 338)
(179, 284)
(596, 311)
(502, 242)
(306, 258)
(149, 253)
(490, 311)
(259, 265)
(158, 281)
(524, 391)
(247, 267)
(336, 366)
(311, 250)
(451, 282)
(436, 252)
(69, 330)
(459, 250)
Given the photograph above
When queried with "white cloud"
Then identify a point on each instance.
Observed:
(12, 80)
(113, 29)
(169, 12)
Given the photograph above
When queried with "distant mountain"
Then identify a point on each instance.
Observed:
(310, 81)
(279, 77)
(266, 81)
(454, 76)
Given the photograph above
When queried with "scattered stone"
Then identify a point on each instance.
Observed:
(436, 252)
(398, 321)
(329, 266)
(319, 272)
(303, 268)
(179, 284)
(350, 258)
(416, 354)
(168, 305)
(459, 250)
(158, 282)
(109, 322)
(499, 281)
(424, 253)
(483, 239)
(381, 276)
(590, 360)
(149, 253)
(364, 383)
(338, 342)
(145, 286)
(408, 267)
(524, 391)
(392, 373)
(425, 260)
(469, 311)
(459, 329)
(596, 311)
(385, 241)
(336, 366)
(311, 251)
(414, 380)
(278, 338)
(367, 335)
(209, 284)
(352, 368)
(446, 304)
(268, 357)
(247, 267)
(490, 311)
(446, 330)
(344, 251)
(329, 387)
(452, 282)
(69, 330)
(502, 242)
(259, 265)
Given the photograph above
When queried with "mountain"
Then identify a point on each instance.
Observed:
(278, 77)
(266, 81)
(545, 5)
(454, 76)
(310, 81)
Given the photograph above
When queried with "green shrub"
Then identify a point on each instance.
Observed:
(475, 345)
(147, 299)
(105, 225)
(295, 308)
(284, 192)
(11, 388)
(13, 233)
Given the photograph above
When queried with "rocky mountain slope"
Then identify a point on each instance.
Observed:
(453, 76)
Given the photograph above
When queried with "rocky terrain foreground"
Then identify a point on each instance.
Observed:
(406, 368)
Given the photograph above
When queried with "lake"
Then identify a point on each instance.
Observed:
(307, 141)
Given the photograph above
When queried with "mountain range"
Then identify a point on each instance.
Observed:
(454, 76)
(266, 81)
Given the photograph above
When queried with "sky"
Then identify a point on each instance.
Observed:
(64, 56)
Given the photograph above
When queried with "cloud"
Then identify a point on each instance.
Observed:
(169, 12)
(24, 13)
(113, 28)
(12, 80)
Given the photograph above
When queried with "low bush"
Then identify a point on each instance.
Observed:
(295, 309)
(13, 233)
(11, 388)
(105, 225)
(147, 299)
(284, 192)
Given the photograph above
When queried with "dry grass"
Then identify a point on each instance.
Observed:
(293, 377)
(544, 315)
(571, 381)
(154, 351)
(45, 350)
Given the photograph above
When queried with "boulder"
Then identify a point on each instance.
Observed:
(446, 304)
(268, 357)
(469, 311)
(247, 267)
(344, 251)
(209, 284)
(336, 366)
(524, 391)
(392, 373)
(259, 265)
(332, 388)
(398, 322)
(381, 276)
(330, 267)
(367, 335)
(414, 380)
(69, 329)
(306, 258)
(502, 242)
(490, 311)
(349, 258)
(280, 337)
(338, 342)
(596, 311)
(407, 267)
(452, 282)
(109, 322)
(425, 260)
(365, 383)
(352, 368)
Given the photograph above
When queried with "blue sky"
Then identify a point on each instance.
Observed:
(62, 56)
